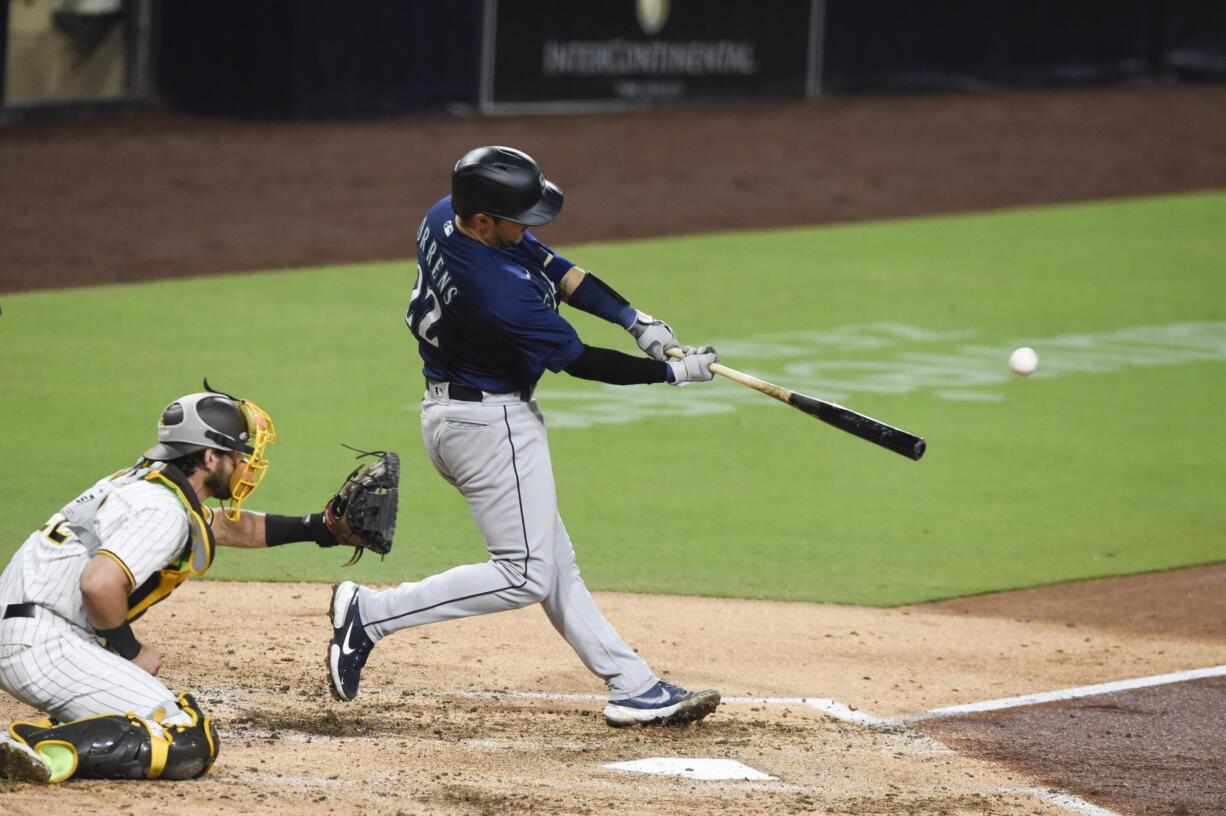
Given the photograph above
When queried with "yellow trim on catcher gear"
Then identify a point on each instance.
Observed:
(248, 475)
(122, 565)
(168, 582)
(202, 550)
(196, 562)
(58, 773)
(188, 709)
(207, 728)
(159, 748)
(194, 712)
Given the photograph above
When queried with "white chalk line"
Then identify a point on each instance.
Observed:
(842, 711)
(846, 713)
(1069, 693)
(1065, 800)
(830, 707)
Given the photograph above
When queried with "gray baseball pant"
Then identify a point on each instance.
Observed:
(496, 453)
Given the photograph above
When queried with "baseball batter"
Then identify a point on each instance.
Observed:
(484, 314)
(71, 591)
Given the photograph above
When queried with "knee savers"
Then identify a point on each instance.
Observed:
(119, 746)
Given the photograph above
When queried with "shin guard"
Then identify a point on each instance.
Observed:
(124, 746)
(109, 746)
(193, 748)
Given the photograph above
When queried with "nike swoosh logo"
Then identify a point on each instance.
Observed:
(345, 650)
(659, 697)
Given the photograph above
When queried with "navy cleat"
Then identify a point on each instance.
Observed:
(662, 704)
(350, 646)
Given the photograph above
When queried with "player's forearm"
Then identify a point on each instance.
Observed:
(247, 531)
(104, 594)
(588, 293)
(615, 368)
(254, 529)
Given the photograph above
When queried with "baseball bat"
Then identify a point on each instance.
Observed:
(845, 419)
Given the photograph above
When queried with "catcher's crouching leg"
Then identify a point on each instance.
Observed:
(193, 748)
(124, 746)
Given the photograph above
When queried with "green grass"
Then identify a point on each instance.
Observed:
(1068, 474)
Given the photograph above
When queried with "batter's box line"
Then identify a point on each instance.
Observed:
(826, 705)
(1062, 799)
(831, 707)
(1064, 694)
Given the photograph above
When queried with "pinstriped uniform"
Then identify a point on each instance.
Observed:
(54, 661)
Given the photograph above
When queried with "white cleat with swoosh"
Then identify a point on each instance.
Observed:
(350, 646)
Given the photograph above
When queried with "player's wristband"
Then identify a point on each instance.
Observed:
(121, 641)
(280, 530)
(594, 296)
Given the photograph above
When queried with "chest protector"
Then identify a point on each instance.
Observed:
(197, 554)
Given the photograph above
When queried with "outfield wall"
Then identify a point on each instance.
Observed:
(285, 59)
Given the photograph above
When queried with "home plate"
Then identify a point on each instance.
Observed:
(691, 768)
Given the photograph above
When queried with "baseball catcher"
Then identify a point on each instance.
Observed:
(70, 594)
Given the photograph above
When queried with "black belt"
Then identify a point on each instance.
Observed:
(24, 610)
(466, 393)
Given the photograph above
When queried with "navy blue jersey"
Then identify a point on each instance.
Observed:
(487, 318)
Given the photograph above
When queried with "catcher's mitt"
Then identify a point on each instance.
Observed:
(362, 514)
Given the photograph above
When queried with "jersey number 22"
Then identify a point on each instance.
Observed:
(423, 294)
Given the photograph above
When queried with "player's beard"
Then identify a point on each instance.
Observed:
(218, 482)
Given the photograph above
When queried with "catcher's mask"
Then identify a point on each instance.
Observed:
(212, 419)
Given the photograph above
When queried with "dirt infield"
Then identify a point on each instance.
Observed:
(1161, 748)
(453, 719)
(160, 196)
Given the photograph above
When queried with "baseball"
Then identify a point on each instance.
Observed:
(1023, 361)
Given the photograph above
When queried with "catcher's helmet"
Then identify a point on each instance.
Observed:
(211, 419)
(198, 421)
(505, 183)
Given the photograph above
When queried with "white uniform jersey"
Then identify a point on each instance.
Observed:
(139, 524)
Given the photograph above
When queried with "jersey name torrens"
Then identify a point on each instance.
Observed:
(440, 277)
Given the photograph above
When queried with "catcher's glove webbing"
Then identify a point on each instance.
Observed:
(362, 514)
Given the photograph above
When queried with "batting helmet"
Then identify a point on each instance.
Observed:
(505, 183)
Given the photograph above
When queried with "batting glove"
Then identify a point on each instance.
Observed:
(695, 366)
(655, 337)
